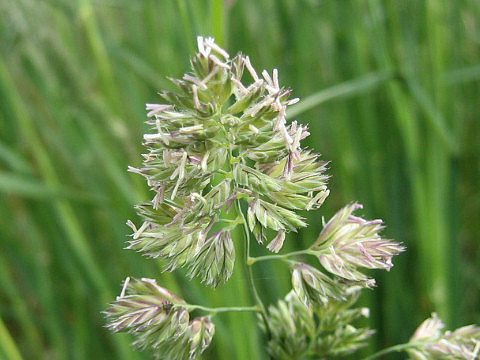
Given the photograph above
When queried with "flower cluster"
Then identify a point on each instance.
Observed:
(159, 322)
(322, 332)
(218, 140)
(431, 342)
(314, 287)
(348, 242)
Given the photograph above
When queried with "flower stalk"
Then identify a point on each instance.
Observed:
(282, 257)
(392, 349)
(253, 287)
(217, 310)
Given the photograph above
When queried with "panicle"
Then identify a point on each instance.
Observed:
(222, 138)
(322, 331)
(215, 140)
(159, 321)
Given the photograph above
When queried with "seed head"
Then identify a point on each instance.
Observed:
(435, 343)
(159, 321)
(348, 242)
(215, 259)
(217, 126)
(314, 287)
(323, 331)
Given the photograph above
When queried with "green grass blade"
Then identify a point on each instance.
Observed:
(14, 160)
(344, 90)
(463, 75)
(65, 212)
(436, 120)
(18, 308)
(218, 21)
(187, 27)
(27, 187)
(7, 344)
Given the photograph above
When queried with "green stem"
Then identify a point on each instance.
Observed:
(249, 271)
(283, 257)
(253, 351)
(227, 174)
(221, 309)
(396, 348)
(232, 223)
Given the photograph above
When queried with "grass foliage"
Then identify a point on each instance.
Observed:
(391, 93)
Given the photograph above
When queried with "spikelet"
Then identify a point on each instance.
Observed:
(348, 242)
(314, 287)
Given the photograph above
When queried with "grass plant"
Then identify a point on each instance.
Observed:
(391, 93)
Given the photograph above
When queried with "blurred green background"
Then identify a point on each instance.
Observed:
(392, 93)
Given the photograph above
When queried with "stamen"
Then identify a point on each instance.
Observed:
(242, 88)
(251, 70)
(124, 288)
(194, 80)
(275, 78)
(209, 76)
(196, 102)
(156, 108)
(211, 42)
(217, 61)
